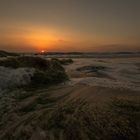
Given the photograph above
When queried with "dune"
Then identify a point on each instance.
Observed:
(100, 97)
(116, 73)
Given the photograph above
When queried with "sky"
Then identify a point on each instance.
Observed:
(70, 25)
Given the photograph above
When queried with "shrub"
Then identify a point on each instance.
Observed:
(47, 72)
(55, 74)
(5, 54)
(63, 61)
(25, 61)
(10, 62)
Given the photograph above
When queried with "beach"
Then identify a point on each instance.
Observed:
(98, 91)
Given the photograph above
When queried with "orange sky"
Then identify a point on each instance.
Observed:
(70, 25)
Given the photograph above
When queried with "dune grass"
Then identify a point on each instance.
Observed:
(5, 54)
(25, 61)
(64, 61)
(47, 72)
(37, 114)
(72, 120)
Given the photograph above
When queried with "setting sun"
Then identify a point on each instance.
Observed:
(43, 51)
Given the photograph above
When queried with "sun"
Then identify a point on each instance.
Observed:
(42, 51)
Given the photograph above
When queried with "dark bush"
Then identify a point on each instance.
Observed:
(25, 61)
(10, 62)
(54, 74)
(63, 61)
(47, 72)
(35, 62)
(5, 54)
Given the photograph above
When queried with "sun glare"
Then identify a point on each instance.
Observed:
(41, 40)
(43, 51)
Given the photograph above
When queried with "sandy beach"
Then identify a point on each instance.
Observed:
(95, 94)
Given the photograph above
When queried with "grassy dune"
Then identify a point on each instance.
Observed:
(46, 111)
(47, 72)
(5, 54)
(40, 114)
